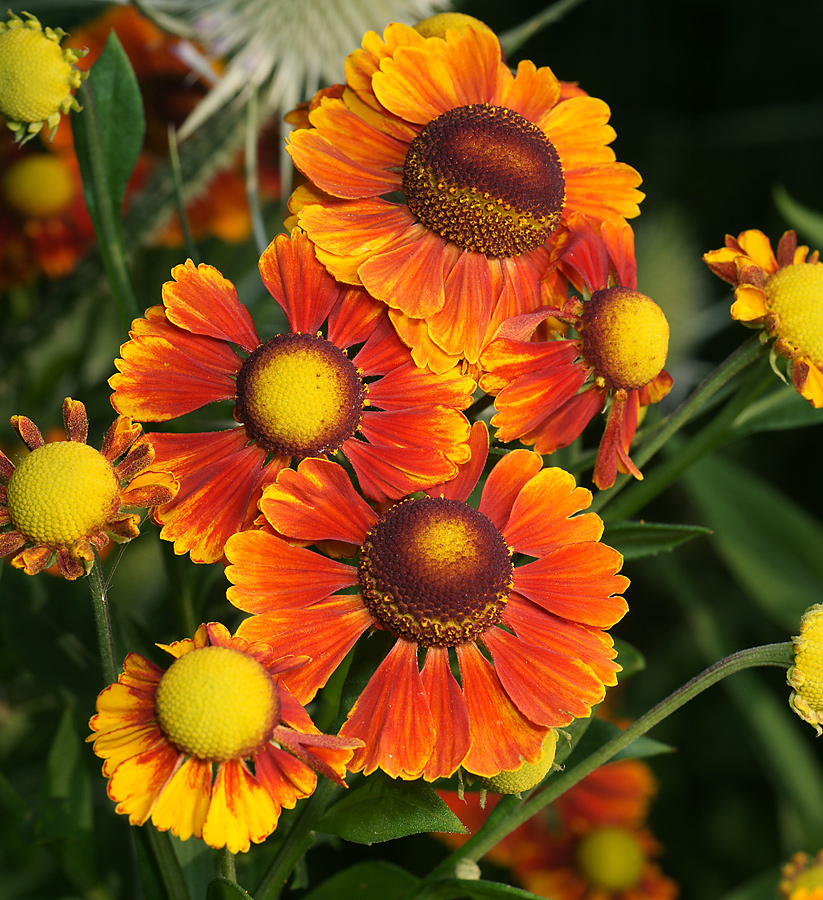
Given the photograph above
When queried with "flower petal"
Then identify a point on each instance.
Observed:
(184, 802)
(450, 715)
(241, 810)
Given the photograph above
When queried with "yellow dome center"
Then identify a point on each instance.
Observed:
(35, 76)
(806, 675)
(299, 395)
(62, 492)
(795, 295)
(610, 858)
(435, 571)
(485, 178)
(529, 775)
(38, 185)
(217, 703)
(625, 337)
(811, 881)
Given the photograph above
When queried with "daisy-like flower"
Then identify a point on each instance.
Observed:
(529, 641)
(805, 676)
(213, 746)
(37, 76)
(438, 177)
(802, 877)
(783, 294)
(547, 392)
(44, 224)
(295, 395)
(65, 498)
(282, 48)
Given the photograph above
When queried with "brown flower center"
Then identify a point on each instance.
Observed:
(435, 571)
(486, 179)
(300, 395)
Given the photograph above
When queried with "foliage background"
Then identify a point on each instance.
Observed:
(718, 104)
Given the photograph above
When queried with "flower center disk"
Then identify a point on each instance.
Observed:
(486, 179)
(299, 395)
(795, 295)
(38, 185)
(611, 858)
(62, 492)
(217, 703)
(625, 337)
(435, 571)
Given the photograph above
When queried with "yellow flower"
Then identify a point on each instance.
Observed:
(65, 498)
(802, 877)
(37, 76)
(782, 293)
(806, 675)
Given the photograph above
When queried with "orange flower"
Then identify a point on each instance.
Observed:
(215, 745)
(781, 293)
(490, 166)
(547, 392)
(65, 499)
(438, 576)
(296, 395)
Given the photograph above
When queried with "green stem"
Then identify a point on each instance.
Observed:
(514, 38)
(105, 216)
(227, 866)
(164, 857)
(297, 842)
(179, 202)
(102, 619)
(742, 357)
(252, 178)
(497, 827)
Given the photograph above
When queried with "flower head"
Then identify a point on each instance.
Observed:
(37, 76)
(295, 395)
(802, 877)
(548, 391)
(805, 677)
(440, 181)
(215, 745)
(438, 575)
(65, 499)
(782, 293)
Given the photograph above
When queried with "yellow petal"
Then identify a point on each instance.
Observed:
(241, 811)
(185, 800)
(749, 304)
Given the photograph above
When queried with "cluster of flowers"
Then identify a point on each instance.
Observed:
(462, 232)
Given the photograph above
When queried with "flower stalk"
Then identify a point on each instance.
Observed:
(102, 620)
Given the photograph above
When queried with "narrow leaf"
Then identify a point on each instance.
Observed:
(807, 222)
(638, 539)
(779, 410)
(382, 809)
(467, 889)
(367, 881)
(223, 889)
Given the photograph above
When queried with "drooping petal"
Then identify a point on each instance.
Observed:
(506, 480)
(241, 810)
(450, 715)
(389, 473)
(437, 428)
(138, 780)
(393, 718)
(461, 486)
(285, 778)
(407, 384)
(184, 803)
(502, 737)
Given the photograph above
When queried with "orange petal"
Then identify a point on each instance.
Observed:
(531, 92)
(547, 687)
(415, 335)
(449, 714)
(137, 781)
(241, 810)
(317, 502)
(604, 191)
(461, 486)
(285, 778)
(267, 574)
(749, 304)
(203, 302)
(577, 582)
(567, 423)
(393, 718)
(758, 248)
(389, 473)
(359, 318)
(166, 372)
(221, 478)
(325, 632)
(436, 428)
(501, 735)
(184, 802)
(540, 519)
(408, 385)
(505, 481)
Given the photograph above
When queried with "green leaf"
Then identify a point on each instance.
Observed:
(367, 881)
(808, 222)
(772, 547)
(382, 809)
(460, 888)
(630, 658)
(638, 539)
(779, 410)
(601, 732)
(223, 889)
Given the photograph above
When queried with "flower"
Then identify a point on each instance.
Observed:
(781, 293)
(805, 677)
(177, 742)
(37, 76)
(548, 391)
(438, 576)
(44, 224)
(295, 395)
(283, 49)
(66, 499)
(802, 877)
(490, 166)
